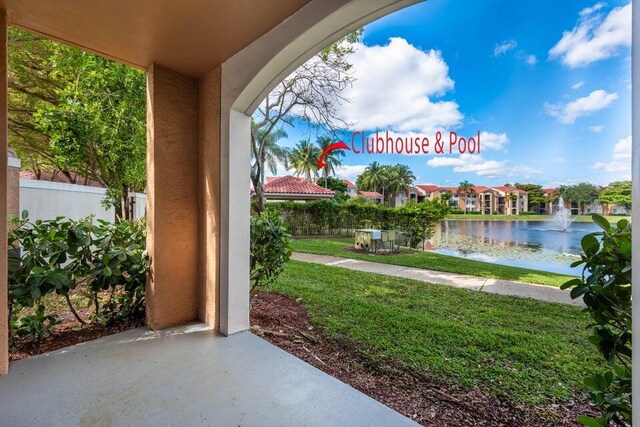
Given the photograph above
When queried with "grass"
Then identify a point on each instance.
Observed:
(432, 261)
(523, 350)
(577, 218)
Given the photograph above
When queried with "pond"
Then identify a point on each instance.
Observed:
(530, 244)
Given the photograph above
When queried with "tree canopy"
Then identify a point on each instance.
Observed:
(77, 113)
(616, 193)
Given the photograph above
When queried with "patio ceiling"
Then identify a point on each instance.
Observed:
(190, 37)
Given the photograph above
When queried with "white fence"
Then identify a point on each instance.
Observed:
(47, 200)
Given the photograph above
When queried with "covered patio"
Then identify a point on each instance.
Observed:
(188, 375)
(209, 65)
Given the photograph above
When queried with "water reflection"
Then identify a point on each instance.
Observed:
(530, 244)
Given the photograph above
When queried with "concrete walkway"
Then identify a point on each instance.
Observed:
(186, 376)
(493, 286)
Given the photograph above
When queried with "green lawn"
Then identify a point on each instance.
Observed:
(431, 261)
(578, 218)
(523, 350)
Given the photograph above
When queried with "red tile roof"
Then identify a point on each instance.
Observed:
(454, 190)
(428, 188)
(510, 190)
(371, 194)
(293, 185)
(480, 188)
(60, 177)
(548, 190)
(349, 183)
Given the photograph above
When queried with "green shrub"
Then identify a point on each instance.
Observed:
(270, 248)
(328, 217)
(605, 288)
(59, 255)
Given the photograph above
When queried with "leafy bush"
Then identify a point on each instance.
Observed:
(605, 288)
(417, 220)
(59, 255)
(270, 248)
(328, 217)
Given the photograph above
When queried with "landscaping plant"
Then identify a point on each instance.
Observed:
(605, 288)
(106, 260)
(270, 248)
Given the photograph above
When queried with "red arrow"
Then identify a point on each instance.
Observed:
(335, 146)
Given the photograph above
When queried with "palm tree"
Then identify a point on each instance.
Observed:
(269, 152)
(466, 187)
(400, 179)
(304, 158)
(265, 151)
(373, 178)
(331, 160)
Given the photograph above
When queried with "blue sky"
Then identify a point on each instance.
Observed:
(547, 83)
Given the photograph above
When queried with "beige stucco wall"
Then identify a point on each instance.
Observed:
(172, 199)
(209, 193)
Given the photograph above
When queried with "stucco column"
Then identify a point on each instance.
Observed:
(172, 197)
(209, 193)
(234, 220)
(4, 309)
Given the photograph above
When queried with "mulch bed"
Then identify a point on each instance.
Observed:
(67, 333)
(284, 322)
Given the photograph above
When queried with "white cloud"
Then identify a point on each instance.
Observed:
(585, 106)
(470, 163)
(577, 85)
(589, 10)
(620, 163)
(504, 47)
(558, 160)
(350, 172)
(595, 37)
(531, 60)
(596, 128)
(523, 171)
(493, 141)
(395, 86)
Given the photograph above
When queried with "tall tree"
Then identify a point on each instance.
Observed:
(466, 187)
(373, 178)
(331, 159)
(400, 178)
(388, 180)
(616, 193)
(304, 159)
(270, 155)
(582, 194)
(313, 93)
(535, 194)
(89, 119)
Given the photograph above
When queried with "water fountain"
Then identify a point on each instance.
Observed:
(563, 217)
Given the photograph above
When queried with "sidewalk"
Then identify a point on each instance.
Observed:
(475, 283)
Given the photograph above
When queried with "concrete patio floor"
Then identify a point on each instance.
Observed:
(187, 376)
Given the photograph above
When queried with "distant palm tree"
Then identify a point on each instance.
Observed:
(400, 179)
(331, 160)
(373, 178)
(304, 159)
(270, 152)
(466, 187)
